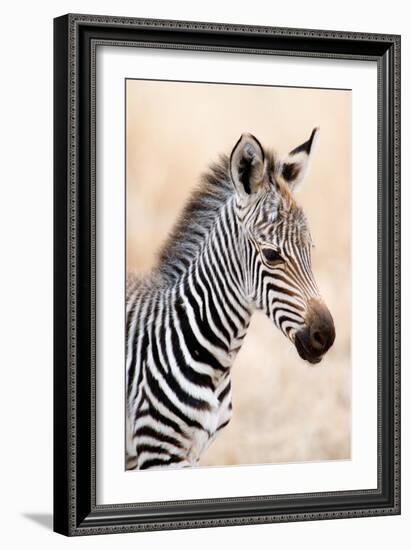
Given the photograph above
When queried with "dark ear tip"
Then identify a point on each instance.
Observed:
(307, 146)
(314, 133)
(314, 136)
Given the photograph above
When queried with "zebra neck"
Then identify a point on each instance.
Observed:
(212, 309)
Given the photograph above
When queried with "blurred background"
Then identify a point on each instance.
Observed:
(284, 410)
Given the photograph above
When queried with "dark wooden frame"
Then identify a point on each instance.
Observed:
(76, 38)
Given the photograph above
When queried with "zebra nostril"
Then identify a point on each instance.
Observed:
(321, 334)
(318, 338)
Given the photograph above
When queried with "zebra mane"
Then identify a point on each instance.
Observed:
(196, 220)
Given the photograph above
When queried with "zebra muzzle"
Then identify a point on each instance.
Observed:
(318, 334)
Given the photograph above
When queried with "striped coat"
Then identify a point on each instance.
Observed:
(241, 244)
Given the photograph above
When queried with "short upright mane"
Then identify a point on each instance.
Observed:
(196, 220)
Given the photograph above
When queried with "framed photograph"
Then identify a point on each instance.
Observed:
(227, 274)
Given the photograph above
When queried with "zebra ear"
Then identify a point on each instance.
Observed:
(296, 164)
(247, 165)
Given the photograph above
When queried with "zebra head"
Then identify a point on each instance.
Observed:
(277, 244)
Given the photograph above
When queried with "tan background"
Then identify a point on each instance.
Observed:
(283, 409)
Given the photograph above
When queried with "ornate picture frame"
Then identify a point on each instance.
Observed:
(76, 40)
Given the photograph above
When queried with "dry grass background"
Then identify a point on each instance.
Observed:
(283, 409)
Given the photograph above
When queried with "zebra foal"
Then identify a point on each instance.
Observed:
(241, 244)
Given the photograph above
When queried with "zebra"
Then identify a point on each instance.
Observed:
(241, 244)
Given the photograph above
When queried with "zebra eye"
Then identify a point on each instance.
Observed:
(271, 256)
